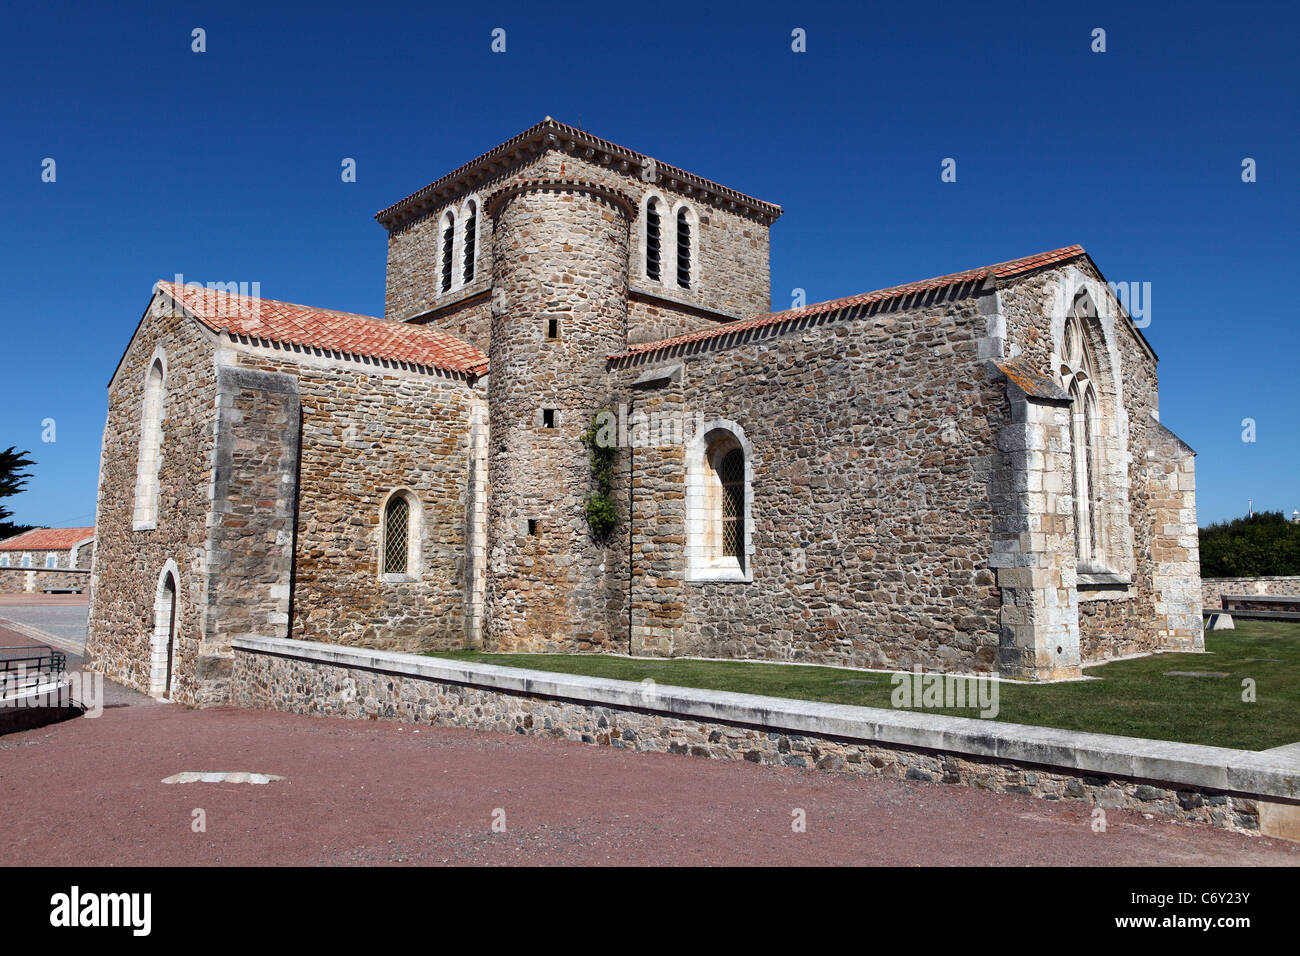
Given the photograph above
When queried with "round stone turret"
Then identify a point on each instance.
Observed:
(559, 308)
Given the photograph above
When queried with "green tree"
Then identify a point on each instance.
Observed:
(12, 480)
(1262, 544)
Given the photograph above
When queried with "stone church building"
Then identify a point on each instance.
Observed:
(967, 474)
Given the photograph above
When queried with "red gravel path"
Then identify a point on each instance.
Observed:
(88, 792)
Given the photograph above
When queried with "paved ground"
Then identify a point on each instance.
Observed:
(90, 791)
(61, 615)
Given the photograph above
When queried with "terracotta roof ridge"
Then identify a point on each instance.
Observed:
(333, 330)
(392, 213)
(1000, 270)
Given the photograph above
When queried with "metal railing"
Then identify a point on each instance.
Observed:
(34, 672)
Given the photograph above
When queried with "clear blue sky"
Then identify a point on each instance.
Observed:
(224, 166)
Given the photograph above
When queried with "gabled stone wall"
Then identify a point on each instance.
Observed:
(127, 562)
(873, 446)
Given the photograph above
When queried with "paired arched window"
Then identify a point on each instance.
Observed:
(471, 240)
(684, 247)
(718, 505)
(670, 240)
(1079, 379)
(653, 239)
(448, 251)
(401, 529)
(150, 452)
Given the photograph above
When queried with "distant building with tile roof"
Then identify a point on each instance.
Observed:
(580, 426)
(43, 555)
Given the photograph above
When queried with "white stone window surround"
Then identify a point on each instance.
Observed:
(693, 219)
(704, 558)
(472, 203)
(447, 219)
(414, 537)
(666, 232)
(153, 410)
(1111, 563)
(163, 637)
(51, 560)
(4, 560)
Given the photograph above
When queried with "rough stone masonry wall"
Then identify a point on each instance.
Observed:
(1213, 589)
(282, 683)
(128, 563)
(1112, 623)
(367, 431)
(649, 321)
(873, 444)
(18, 580)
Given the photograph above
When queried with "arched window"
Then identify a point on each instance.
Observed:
(718, 505)
(471, 240)
(653, 240)
(400, 534)
(730, 468)
(448, 247)
(150, 452)
(683, 248)
(1079, 377)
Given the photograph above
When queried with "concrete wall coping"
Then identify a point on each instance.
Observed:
(1266, 773)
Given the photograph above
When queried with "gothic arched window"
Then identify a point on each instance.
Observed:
(1079, 378)
(145, 513)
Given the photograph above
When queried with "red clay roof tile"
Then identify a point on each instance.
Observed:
(47, 539)
(346, 332)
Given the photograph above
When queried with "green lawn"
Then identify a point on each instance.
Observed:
(1134, 698)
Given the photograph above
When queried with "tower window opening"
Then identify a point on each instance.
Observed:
(471, 226)
(652, 240)
(683, 249)
(448, 241)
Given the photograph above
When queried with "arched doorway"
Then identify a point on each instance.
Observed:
(162, 651)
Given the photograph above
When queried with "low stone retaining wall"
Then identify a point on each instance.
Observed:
(1212, 589)
(1227, 788)
(18, 580)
